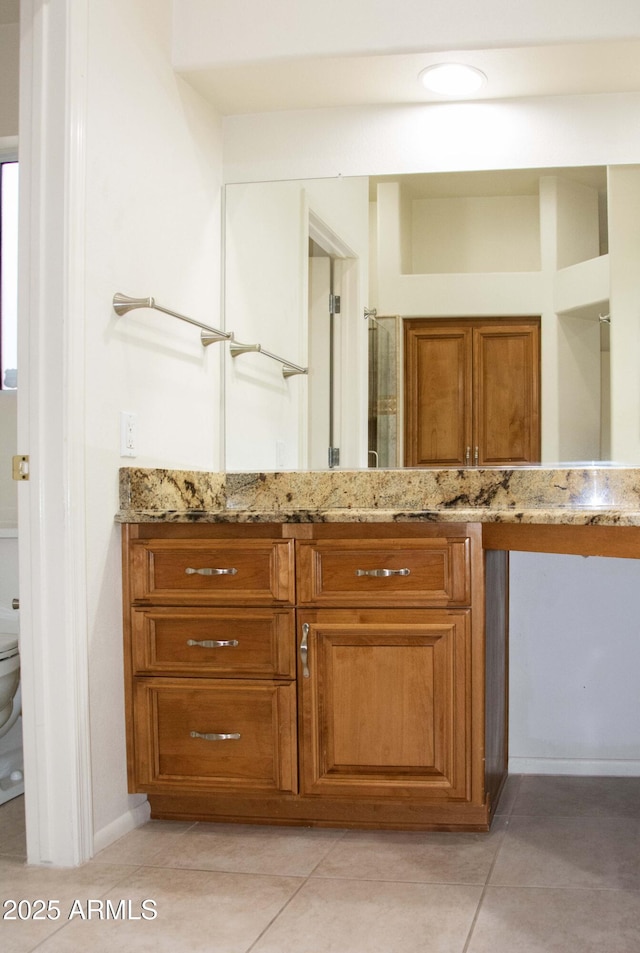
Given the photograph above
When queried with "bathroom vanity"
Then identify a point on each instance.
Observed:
(341, 661)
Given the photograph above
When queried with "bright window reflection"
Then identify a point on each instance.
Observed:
(8, 275)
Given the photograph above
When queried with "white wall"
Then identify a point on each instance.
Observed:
(624, 253)
(389, 140)
(579, 386)
(476, 234)
(574, 658)
(208, 33)
(578, 232)
(9, 62)
(489, 292)
(266, 302)
(153, 155)
(571, 383)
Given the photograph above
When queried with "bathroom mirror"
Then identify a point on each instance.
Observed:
(492, 244)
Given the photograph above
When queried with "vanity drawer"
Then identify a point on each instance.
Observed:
(212, 572)
(212, 734)
(249, 643)
(432, 571)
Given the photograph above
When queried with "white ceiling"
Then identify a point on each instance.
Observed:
(306, 83)
(576, 68)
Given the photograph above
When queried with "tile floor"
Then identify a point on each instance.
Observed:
(559, 873)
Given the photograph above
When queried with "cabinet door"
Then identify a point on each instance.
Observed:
(385, 702)
(472, 392)
(438, 419)
(506, 395)
(215, 734)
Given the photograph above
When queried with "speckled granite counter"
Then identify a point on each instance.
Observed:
(606, 496)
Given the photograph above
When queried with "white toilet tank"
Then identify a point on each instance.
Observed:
(11, 758)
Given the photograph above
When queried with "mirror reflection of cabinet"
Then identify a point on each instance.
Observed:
(472, 392)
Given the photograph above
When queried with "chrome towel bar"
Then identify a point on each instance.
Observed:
(289, 369)
(123, 303)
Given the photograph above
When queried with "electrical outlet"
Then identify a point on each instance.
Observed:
(128, 436)
(281, 454)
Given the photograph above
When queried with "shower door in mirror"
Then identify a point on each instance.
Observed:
(385, 448)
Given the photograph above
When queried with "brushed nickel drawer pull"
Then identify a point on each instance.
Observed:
(217, 736)
(383, 572)
(214, 643)
(304, 650)
(210, 572)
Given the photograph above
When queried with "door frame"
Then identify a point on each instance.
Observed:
(346, 284)
(51, 430)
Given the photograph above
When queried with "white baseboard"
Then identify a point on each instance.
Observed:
(575, 766)
(128, 821)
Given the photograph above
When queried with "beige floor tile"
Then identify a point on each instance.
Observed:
(569, 852)
(346, 916)
(197, 912)
(13, 843)
(533, 920)
(60, 886)
(565, 879)
(12, 813)
(282, 851)
(13, 838)
(141, 845)
(422, 858)
(574, 796)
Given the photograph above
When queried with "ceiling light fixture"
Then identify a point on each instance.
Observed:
(452, 79)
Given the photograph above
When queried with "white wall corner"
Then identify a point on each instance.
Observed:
(136, 816)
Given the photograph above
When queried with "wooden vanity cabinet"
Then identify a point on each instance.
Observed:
(343, 675)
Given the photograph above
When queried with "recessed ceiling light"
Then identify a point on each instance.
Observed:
(452, 79)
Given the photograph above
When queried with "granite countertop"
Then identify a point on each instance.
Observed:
(578, 495)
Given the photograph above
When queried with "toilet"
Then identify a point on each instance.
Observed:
(11, 777)
(9, 676)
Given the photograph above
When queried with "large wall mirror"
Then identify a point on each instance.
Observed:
(554, 245)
